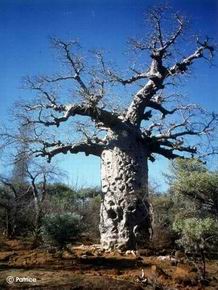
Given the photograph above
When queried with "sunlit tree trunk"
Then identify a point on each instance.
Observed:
(124, 216)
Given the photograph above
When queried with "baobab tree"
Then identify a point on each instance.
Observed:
(155, 121)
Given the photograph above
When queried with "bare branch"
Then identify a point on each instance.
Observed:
(7, 183)
(168, 153)
(205, 129)
(49, 150)
(183, 65)
(116, 78)
(75, 62)
(167, 143)
(175, 35)
(109, 119)
(159, 107)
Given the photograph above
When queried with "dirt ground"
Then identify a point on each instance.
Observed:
(89, 267)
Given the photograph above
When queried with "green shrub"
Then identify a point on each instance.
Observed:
(194, 189)
(61, 229)
(198, 236)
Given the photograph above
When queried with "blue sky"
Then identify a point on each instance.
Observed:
(26, 25)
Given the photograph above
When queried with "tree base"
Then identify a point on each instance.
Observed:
(127, 226)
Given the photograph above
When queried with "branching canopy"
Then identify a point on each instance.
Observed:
(161, 122)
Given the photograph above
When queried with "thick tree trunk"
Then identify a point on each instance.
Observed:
(124, 217)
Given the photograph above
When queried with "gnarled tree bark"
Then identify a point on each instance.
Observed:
(124, 216)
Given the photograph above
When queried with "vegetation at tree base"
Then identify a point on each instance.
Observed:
(184, 218)
(163, 216)
(198, 236)
(31, 192)
(63, 228)
(59, 199)
(192, 197)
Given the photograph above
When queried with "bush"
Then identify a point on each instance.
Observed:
(194, 188)
(163, 236)
(84, 202)
(198, 236)
(61, 229)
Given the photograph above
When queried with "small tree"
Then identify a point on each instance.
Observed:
(14, 201)
(15, 191)
(197, 236)
(22, 200)
(61, 229)
(194, 188)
